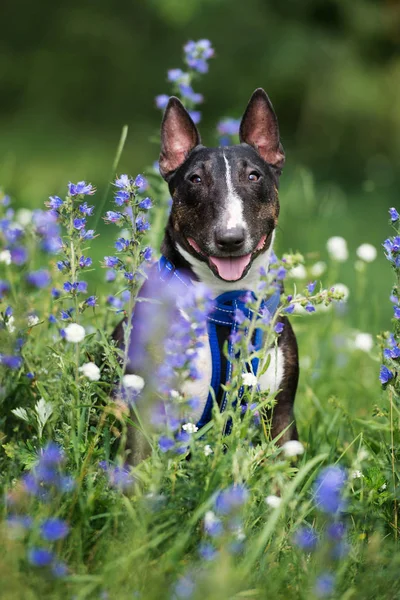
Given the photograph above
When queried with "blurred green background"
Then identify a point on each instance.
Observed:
(72, 74)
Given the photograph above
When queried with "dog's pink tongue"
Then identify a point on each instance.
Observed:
(231, 268)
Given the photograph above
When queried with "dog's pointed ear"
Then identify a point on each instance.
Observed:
(179, 136)
(259, 128)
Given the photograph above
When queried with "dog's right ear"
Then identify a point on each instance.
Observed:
(179, 136)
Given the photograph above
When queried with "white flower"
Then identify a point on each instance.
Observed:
(24, 216)
(10, 324)
(74, 333)
(364, 341)
(190, 428)
(174, 394)
(91, 371)
(298, 272)
(337, 248)
(318, 269)
(211, 522)
(273, 501)
(343, 289)
(133, 382)
(5, 257)
(383, 487)
(33, 320)
(367, 252)
(249, 379)
(207, 450)
(293, 448)
(356, 474)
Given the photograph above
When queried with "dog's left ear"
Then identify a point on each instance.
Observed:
(179, 136)
(259, 128)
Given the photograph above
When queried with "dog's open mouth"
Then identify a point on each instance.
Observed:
(230, 268)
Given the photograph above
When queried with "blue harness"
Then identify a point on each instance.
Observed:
(223, 314)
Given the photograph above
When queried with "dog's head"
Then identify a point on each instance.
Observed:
(225, 200)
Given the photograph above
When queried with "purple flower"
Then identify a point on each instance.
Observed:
(52, 454)
(394, 215)
(311, 287)
(81, 188)
(122, 197)
(231, 499)
(240, 317)
(54, 529)
(324, 585)
(4, 287)
(162, 101)
(55, 202)
(19, 255)
(289, 309)
(176, 74)
(55, 293)
(235, 337)
(385, 375)
(328, 489)
(145, 204)
(113, 217)
(40, 557)
(110, 275)
(91, 301)
(59, 569)
(279, 328)
(336, 530)
(19, 521)
(118, 477)
(147, 253)
(123, 182)
(39, 279)
(81, 287)
(229, 126)
(85, 209)
(165, 443)
(141, 183)
(79, 223)
(62, 264)
(87, 235)
(397, 312)
(142, 224)
(85, 262)
(111, 261)
(121, 245)
(195, 116)
(207, 551)
(305, 538)
(310, 308)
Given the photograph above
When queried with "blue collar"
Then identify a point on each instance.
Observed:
(223, 314)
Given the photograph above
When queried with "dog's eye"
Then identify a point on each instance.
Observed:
(195, 179)
(254, 176)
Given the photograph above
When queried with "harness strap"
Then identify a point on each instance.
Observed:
(223, 314)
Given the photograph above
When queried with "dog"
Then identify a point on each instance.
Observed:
(220, 232)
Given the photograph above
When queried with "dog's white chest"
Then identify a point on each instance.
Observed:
(270, 381)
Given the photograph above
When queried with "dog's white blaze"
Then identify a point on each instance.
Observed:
(234, 210)
(200, 387)
(271, 380)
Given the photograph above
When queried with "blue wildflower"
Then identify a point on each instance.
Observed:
(62, 264)
(162, 101)
(91, 301)
(86, 235)
(122, 197)
(123, 181)
(85, 209)
(397, 312)
(81, 189)
(110, 276)
(54, 529)
(19, 255)
(40, 557)
(231, 499)
(229, 126)
(195, 116)
(145, 204)
(121, 245)
(385, 375)
(165, 443)
(19, 521)
(305, 538)
(4, 287)
(39, 279)
(142, 224)
(336, 530)
(207, 551)
(141, 183)
(184, 588)
(324, 585)
(394, 215)
(176, 75)
(81, 287)
(240, 317)
(328, 489)
(55, 293)
(311, 287)
(289, 309)
(59, 569)
(30, 375)
(113, 217)
(52, 454)
(85, 262)
(279, 328)
(310, 308)
(79, 223)
(147, 253)
(55, 202)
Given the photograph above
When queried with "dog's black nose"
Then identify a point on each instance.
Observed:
(230, 240)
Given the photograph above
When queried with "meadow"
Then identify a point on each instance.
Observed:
(206, 515)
